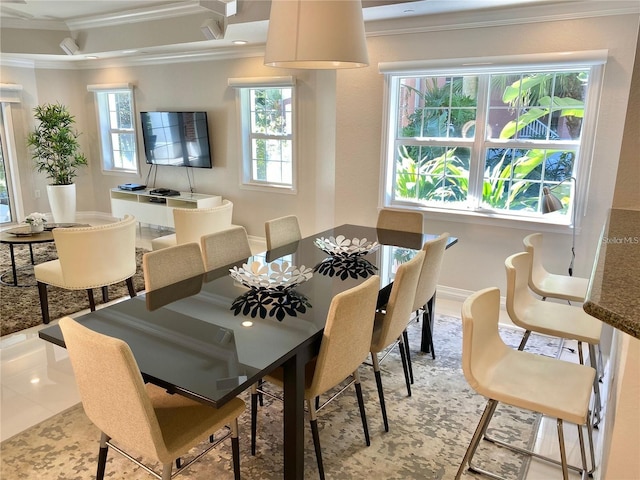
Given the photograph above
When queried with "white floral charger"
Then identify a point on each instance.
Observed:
(272, 276)
(346, 247)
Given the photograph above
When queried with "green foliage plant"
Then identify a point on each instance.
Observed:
(54, 144)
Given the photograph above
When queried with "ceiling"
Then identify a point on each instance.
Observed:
(110, 29)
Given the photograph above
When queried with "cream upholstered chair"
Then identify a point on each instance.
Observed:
(282, 231)
(406, 221)
(170, 265)
(192, 223)
(139, 417)
(344, 346)
(223, 248)
(88, 258)
(390, 326)
(551, 285)
(553, 387)
(549, 318)
(427, 284)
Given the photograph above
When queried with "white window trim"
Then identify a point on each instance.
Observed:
(109, 88)
(596, 59)
(242, 85)
(10, 94)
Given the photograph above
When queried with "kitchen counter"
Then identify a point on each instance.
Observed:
(614, 287)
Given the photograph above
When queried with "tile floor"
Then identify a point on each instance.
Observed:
(37, 382)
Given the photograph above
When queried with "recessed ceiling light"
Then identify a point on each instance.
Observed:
(239, 42)
(129, 51)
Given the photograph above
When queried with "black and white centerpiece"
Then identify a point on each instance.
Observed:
(346, 257)
(271, 289)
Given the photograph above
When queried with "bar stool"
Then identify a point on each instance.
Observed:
(534, 382)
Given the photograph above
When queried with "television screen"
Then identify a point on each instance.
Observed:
(179, 139)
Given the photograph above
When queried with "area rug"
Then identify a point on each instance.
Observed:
(20, 306)
(429, 431)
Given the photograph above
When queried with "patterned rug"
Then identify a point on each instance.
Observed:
(429, 431)
(20, 306)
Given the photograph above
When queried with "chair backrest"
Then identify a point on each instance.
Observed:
(112, 389)
(482, 346)
(430, 271)
(347, 335)
(533, 245)
(400, 305)
(282, 231)
(192, 223)
(405, 221)
(225, 247)
(170, 265)
(519, 297)
(99, 255)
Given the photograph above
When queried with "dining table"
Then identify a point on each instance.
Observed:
(212, 336)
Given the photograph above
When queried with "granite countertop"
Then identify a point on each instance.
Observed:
(614, 287)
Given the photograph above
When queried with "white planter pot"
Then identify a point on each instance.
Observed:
(62, 200)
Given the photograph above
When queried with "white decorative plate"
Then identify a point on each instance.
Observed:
(345, 247)
(272, 276)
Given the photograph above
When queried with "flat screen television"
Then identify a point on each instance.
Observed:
(179, 139)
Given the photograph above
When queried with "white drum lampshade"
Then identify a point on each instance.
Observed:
(316, 34)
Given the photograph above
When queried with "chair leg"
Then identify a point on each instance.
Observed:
(405, 366)
(316, 438)
(477, 435)
(524, 340)
(44, 302)
(102, 456)
(105, 294)
(405, 336)
(597, 401)
(178, 463)
(254, 418)
(92, 302)
(363, 414)
(130, 287)
(166, 471)
(427, 329)
(376, 372)
(563, 453)
(235, 449)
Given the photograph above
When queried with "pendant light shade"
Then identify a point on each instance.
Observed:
(316, 34)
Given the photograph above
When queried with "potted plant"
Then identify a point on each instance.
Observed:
(56, 152)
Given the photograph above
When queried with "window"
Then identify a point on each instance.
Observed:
(488, 140)
(266, 111)
(116, 121)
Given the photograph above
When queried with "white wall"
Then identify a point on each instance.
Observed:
(478, 260)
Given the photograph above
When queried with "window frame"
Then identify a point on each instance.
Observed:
(484, 67)
(243, 86)
(105, 131)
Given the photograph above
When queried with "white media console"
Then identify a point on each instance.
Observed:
(154, 209)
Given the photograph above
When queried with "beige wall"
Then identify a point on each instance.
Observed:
(340, 129)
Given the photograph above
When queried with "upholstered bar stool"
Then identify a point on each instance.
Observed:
(552, 387)
(551, 285)
(554, 319)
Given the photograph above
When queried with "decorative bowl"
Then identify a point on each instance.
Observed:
(341, 246)
(272, 276)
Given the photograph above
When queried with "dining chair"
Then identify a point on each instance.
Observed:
(403, 220)
(88, 258)
(225, 247)
(344, 347)
(141, 417)
(171, 264)
(567, 322)
(552, 387)
(551, 285)
(282, 231)
(192, 223)
(390, 325)
(425, 299)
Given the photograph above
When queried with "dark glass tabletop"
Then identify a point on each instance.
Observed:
(210, 337)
